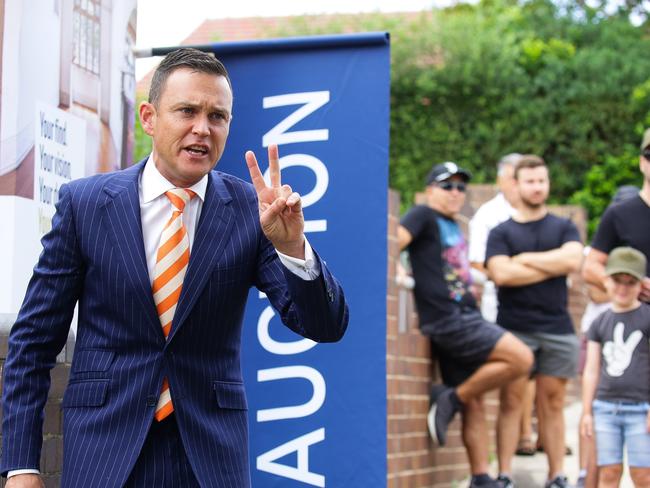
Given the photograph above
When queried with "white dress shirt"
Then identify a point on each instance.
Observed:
(487, 217)
(155, 210)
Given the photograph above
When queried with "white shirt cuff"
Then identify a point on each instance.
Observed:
(307, 269)
(15, 472)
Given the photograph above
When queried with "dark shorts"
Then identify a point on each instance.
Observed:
(462, 344)
(555, 354)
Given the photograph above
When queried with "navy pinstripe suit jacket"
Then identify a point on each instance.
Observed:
(94, 254)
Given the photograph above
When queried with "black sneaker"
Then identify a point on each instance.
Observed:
(558, 482)
(441, 413)
(505, 481)
(489, 483)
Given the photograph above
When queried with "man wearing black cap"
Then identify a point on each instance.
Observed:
(624, 224)
(475, 356)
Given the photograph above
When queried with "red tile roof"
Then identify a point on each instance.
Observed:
(237, 29)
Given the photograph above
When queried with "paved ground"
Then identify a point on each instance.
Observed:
(531, 471)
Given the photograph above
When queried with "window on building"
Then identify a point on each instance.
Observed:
(86, 22)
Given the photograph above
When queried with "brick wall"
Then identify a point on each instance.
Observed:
(413, 461)
(52, 452)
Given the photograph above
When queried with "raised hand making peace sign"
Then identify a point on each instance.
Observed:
(280, 207)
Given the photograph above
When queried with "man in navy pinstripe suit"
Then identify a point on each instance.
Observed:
(101, 253)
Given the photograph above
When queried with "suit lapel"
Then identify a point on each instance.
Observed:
(211, 236)
(125, 228)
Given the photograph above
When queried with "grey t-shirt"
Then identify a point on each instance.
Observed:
(625, 354)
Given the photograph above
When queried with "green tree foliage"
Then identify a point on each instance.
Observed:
(471, 83)
(602, 180)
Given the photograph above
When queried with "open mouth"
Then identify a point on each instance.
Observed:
(197, 150)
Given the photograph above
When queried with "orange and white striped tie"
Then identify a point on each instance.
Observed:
(171, 264)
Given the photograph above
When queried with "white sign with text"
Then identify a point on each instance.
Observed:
(59, 152)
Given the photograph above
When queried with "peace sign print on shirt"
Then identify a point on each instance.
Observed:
(618, 352)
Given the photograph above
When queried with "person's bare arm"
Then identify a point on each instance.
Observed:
(404, 237)
(644, 294)
(593, 270)
(505, 271)
(589, 383)
(596, 295)
(556, 262)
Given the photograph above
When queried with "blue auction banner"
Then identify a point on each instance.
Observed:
(318, 411)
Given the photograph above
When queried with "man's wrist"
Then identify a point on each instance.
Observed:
(307, 268)
(293, 249)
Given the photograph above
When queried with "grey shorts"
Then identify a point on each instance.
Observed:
(555, 354)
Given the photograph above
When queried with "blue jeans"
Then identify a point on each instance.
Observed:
(619, 424)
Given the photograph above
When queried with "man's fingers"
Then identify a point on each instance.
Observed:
(254, 170)
(274, 166)
(294, 202)
(285, 191)
(272, 211)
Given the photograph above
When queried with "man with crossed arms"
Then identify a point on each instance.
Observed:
(529, 257)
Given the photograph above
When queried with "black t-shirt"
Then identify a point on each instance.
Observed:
(625, 224)
(624, 355)
(540, 307)
(438, 254)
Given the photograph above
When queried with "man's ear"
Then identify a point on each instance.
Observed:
(147, 117)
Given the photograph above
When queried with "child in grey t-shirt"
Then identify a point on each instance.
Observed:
(616, 380)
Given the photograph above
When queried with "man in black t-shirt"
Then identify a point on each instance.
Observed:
(474, 355)
(624, 224)
(529, 257)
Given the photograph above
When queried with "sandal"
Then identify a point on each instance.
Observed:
(525, 448)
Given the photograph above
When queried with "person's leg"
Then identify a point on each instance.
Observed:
(557, 361)
(609, 476)
(510, 409)
(637, 441)
(588, 477)
(162, 461)
(640, 477)
(550, 407)
(609, 440)
(481, 357)
(510, 359)
(526, 447)
(475, 436)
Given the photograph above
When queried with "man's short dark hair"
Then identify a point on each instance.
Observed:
(185, 57)
(528, 161)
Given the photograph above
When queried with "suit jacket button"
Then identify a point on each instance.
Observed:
(152, 401)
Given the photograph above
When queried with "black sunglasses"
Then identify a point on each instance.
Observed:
(451, 185)
(646, 154)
